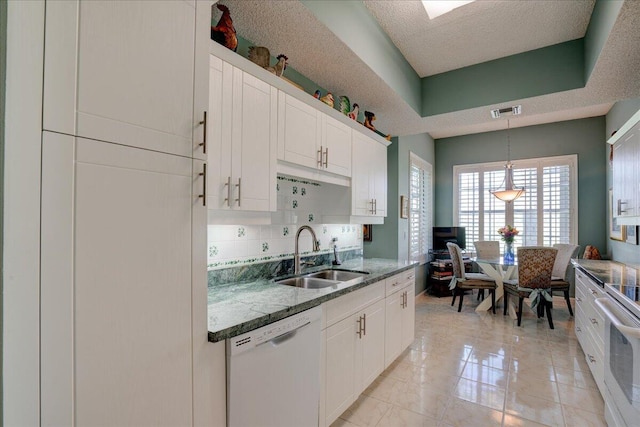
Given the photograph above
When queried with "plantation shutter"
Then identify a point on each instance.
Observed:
(420, 213)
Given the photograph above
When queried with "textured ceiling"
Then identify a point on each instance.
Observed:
(478, 32)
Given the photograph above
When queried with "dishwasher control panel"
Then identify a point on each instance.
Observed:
(274, 330)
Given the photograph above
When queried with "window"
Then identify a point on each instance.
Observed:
(543, 214)
(420, 214)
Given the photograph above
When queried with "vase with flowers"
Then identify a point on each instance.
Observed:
(508, 233)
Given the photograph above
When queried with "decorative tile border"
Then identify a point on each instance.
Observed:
(270, 266)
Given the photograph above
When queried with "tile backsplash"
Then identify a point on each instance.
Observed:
(299, 202)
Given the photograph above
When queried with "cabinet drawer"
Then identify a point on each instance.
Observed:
(344, 306)
(595, 360)
(394, 283)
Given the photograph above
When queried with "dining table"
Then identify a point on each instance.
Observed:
(499, 270)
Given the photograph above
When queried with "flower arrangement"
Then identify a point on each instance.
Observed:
(508, 233)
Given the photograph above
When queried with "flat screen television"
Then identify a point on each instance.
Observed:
(443, 235)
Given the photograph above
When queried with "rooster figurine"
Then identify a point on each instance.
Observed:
(345, 105)
(353, 114)
(260, 55)
(280, 66)
(224, 33)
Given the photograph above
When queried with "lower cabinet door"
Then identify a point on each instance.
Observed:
(408, 317)
(116, 307)
(370, 348)
(340, 367)
(393, 327)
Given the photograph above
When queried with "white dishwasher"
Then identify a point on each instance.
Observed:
(273, 374)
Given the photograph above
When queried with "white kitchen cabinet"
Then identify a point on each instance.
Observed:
(123, 322)
(369, 181)
(242, 135)
(125, 72)
(626, 176)
(590, 324)
(354, 347)
(308, 137)
(400, 314)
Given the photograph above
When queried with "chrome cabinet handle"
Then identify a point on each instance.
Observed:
(578, 329)
(359, 331)
(375, 206)
(204, 185)
(326, 157)
(320, 157)
(228, 185)
(239, 190)
(593, 321)
(371, 203)
(579, 299)
(364, 320)
(591, 358)
(203, 144)
(620, 210)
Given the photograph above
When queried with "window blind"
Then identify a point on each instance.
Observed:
(543, 215)
(420, 213)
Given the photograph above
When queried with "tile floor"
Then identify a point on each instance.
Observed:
(470, 369)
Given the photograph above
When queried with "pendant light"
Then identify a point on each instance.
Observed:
(509, 194)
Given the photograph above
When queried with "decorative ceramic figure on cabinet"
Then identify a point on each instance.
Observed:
(345, 105)
(353, 114)
(280, 66)
(316, 94)
(369, 118)
(224, 33)
(259, 55)
(328, 99)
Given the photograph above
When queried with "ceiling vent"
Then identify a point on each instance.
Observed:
(508, 111)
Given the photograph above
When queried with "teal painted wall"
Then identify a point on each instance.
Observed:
(617, 116)
(390, 239)
(352, 23)
(603, 17)
(585, 137)
(537, 72)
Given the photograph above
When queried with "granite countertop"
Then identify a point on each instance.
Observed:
(608, 272)
(236, 308)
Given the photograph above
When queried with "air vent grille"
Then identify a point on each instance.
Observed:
(508, 111)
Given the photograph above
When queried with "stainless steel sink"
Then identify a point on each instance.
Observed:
(308, 282)
(339, 275)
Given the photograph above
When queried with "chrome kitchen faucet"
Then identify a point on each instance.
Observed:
(296, 257)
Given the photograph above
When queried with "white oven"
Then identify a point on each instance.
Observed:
(622, 363)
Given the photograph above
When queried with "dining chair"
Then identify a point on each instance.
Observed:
(535, 265)
(486, 249)
(561, 271)
(462, 281)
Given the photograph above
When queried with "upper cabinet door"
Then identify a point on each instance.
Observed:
(298, 132)
(336, 146)
(379, 178)
(123, 72)
(254, 143)
(201, 79)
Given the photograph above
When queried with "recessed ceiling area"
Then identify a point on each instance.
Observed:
(359, 49)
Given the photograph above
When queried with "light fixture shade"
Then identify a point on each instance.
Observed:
(508, 195)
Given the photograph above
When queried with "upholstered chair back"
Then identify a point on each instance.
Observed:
(487, 249)
(565, 253)
(456, 260)
(535, 264)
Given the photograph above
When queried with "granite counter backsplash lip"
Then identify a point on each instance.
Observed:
(608, 272)
(236, 308)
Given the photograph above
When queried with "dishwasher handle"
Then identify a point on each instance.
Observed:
(276, 341)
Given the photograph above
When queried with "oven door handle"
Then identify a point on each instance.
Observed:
(610, 311)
